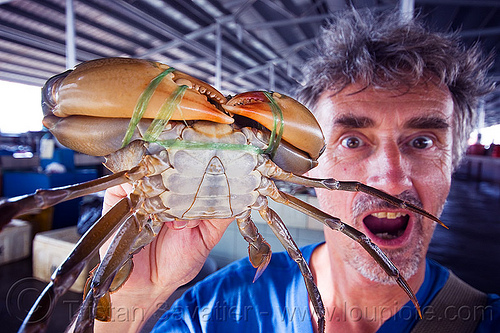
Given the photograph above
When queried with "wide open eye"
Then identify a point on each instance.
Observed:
(352, 142)
(422, 142)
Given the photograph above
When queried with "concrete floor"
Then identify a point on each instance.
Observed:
(18, 291)
(470, 248)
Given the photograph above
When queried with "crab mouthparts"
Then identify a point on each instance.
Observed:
(387, 225)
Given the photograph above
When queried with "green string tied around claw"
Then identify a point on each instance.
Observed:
(275, 138)
(164, 114)
(142, 104)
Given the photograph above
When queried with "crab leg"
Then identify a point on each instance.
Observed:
(259, 251)
(42, 199)
(271, 170)
(68, 271)
(336, 224)
(116, 256)
(283, 235)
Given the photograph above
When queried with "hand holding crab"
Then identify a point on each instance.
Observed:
(172, 259)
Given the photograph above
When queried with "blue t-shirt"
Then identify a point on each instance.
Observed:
(228, 301)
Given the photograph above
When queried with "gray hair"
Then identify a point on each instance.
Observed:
(382, 50)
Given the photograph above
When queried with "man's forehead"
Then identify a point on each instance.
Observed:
(357, 92)
(426, 104)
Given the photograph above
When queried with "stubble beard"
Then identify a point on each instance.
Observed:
(407, 259)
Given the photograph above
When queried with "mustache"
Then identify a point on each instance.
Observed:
(365, 202)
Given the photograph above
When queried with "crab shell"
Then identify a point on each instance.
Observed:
(88, 109)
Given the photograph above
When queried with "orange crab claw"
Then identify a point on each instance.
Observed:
(301, 128)
(111, 88)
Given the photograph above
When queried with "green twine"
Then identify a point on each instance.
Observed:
(166, 111)
(181, 144)
(275, 139)
(142, 104)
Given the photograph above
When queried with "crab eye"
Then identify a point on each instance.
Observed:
(352, 142)
(421, 142)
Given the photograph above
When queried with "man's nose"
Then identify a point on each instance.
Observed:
(389, 170)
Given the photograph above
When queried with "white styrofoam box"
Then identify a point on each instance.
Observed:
(50, 249)
(15, 241)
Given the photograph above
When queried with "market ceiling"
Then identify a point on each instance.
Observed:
(236, 45)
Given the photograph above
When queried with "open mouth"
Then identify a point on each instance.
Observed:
(387, 225)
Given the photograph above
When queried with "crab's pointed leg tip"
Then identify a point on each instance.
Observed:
(411, 295)
(419, 312)
(261, 268)
(441, 223)
(259, 272)
(424, 213)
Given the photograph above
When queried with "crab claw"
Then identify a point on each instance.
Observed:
(91, 135)
(301, 128)
(111, 87)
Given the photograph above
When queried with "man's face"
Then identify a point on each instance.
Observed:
(397, 142)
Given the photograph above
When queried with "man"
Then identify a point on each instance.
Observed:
(395, 103)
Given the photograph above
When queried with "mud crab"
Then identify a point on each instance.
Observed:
(190, 154)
